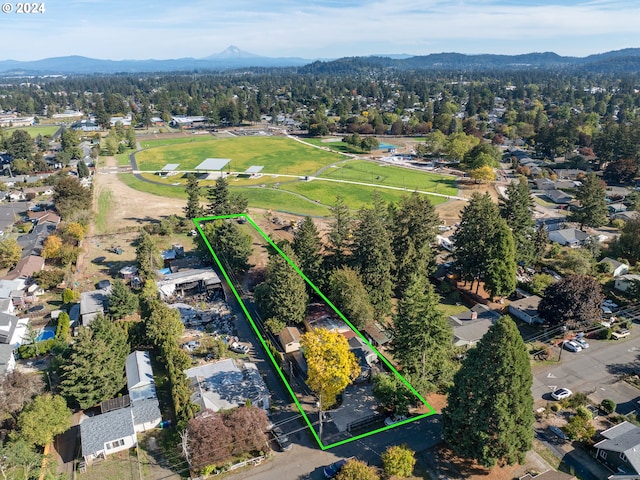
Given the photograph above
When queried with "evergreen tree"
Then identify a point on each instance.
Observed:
(307, 246)
(593, 205)
(44, 418)
(95, 369)
(540, 241)
(122, 301)
(473, 241)
(83, 170)
(339, 238)
(348, 294)
(516, 207)
(422, 337)
(193, 209)
(413, 226)
(147, 256)
(373, 255)
(221, 202)
(489, 413)
(500, 279)
(283, 294)
(230, 243)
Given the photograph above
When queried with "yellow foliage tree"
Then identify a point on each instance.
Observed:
(483, 174)
(75, 231)
(331, 364)
(52, 246)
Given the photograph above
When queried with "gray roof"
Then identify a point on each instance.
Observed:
(568, 236)
(558, 196)
(470, 333)
(93, 301)
(110, 426)
(528, 305)
(213, 164)
(6, 354)
(481, 311)
(623, 438)
(614, 263)
(145, 411)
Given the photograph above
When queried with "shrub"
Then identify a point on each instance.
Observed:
(577, 400)
(398, 460)
(608, 405)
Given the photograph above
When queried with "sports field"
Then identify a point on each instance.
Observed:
(275, 154)
(35, 130)
(371, 172)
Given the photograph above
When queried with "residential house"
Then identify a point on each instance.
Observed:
(620, 450)
(526, 309)
(558, 196)
(107, 433)
(626, 216)
(13, 290)
(290, 339)
(26, 268)
(568, 237)
(365, 355)
(33, 242)
(228, 384)
(92, 304)
(116, 430)
(86, 126)
(616, 208)
(376, 334)
(545, 184)
(617, 268)
(625, 282)
(44, 216)
(13, 331)
(569, 173)
(471, 325)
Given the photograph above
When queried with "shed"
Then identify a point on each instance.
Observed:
(617, 268)
(290, 339)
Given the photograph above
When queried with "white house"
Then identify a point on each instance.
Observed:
(108, 433)
(625, 282)
(526, 309)
(617, 268)
(568, 237)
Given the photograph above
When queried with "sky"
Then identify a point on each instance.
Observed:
(160, 29)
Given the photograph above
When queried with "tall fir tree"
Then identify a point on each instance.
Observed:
(489, 413)
(593, 205)
(540, 241)
(193, 209)
(307, 246)
(422, 337)
(516, 207)
(340, 235)
(347, 293)
(500, 276)
(473, 241)
(413, 225)
(221, 202)
(230, 243)
(147, 255)
(373, 255)
(283, 294)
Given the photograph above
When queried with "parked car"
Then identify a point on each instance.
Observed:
(281, 439)
(393, 419)
(572, 346)
(620, 334)
(582, 342)
(239, 348)
(561, 394)
(332, 470)
(557, 431)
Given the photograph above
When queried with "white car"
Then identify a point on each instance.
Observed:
(572, 346)
(393, 419)
(582, 342)
(561, 394)
(239, 348)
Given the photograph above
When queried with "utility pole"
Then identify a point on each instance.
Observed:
(320, 417)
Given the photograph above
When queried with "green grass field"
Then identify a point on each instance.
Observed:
(370, 172)
(337, 146)
(276, 154)
(35, 130)
(355, 196)
(162, 142)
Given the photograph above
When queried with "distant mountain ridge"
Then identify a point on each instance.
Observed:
(626, 60)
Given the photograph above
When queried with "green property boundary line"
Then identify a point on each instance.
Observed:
(197, 221)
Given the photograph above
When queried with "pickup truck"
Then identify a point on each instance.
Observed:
(620, 334)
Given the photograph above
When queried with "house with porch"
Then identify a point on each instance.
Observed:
(620, 450)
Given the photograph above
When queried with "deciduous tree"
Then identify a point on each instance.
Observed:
(10, 252)
(331, 364)
(357, 470)
(44, 418)
(573, 300)
(70, 196)
(398, 460)
(489, 413)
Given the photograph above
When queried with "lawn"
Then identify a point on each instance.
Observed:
(339, 146)
(355, 196)
(371, 172)
(162, 142)
(105, 202)
(276, 154)
(36, 130)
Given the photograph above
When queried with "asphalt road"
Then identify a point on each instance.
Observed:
(594, 369)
